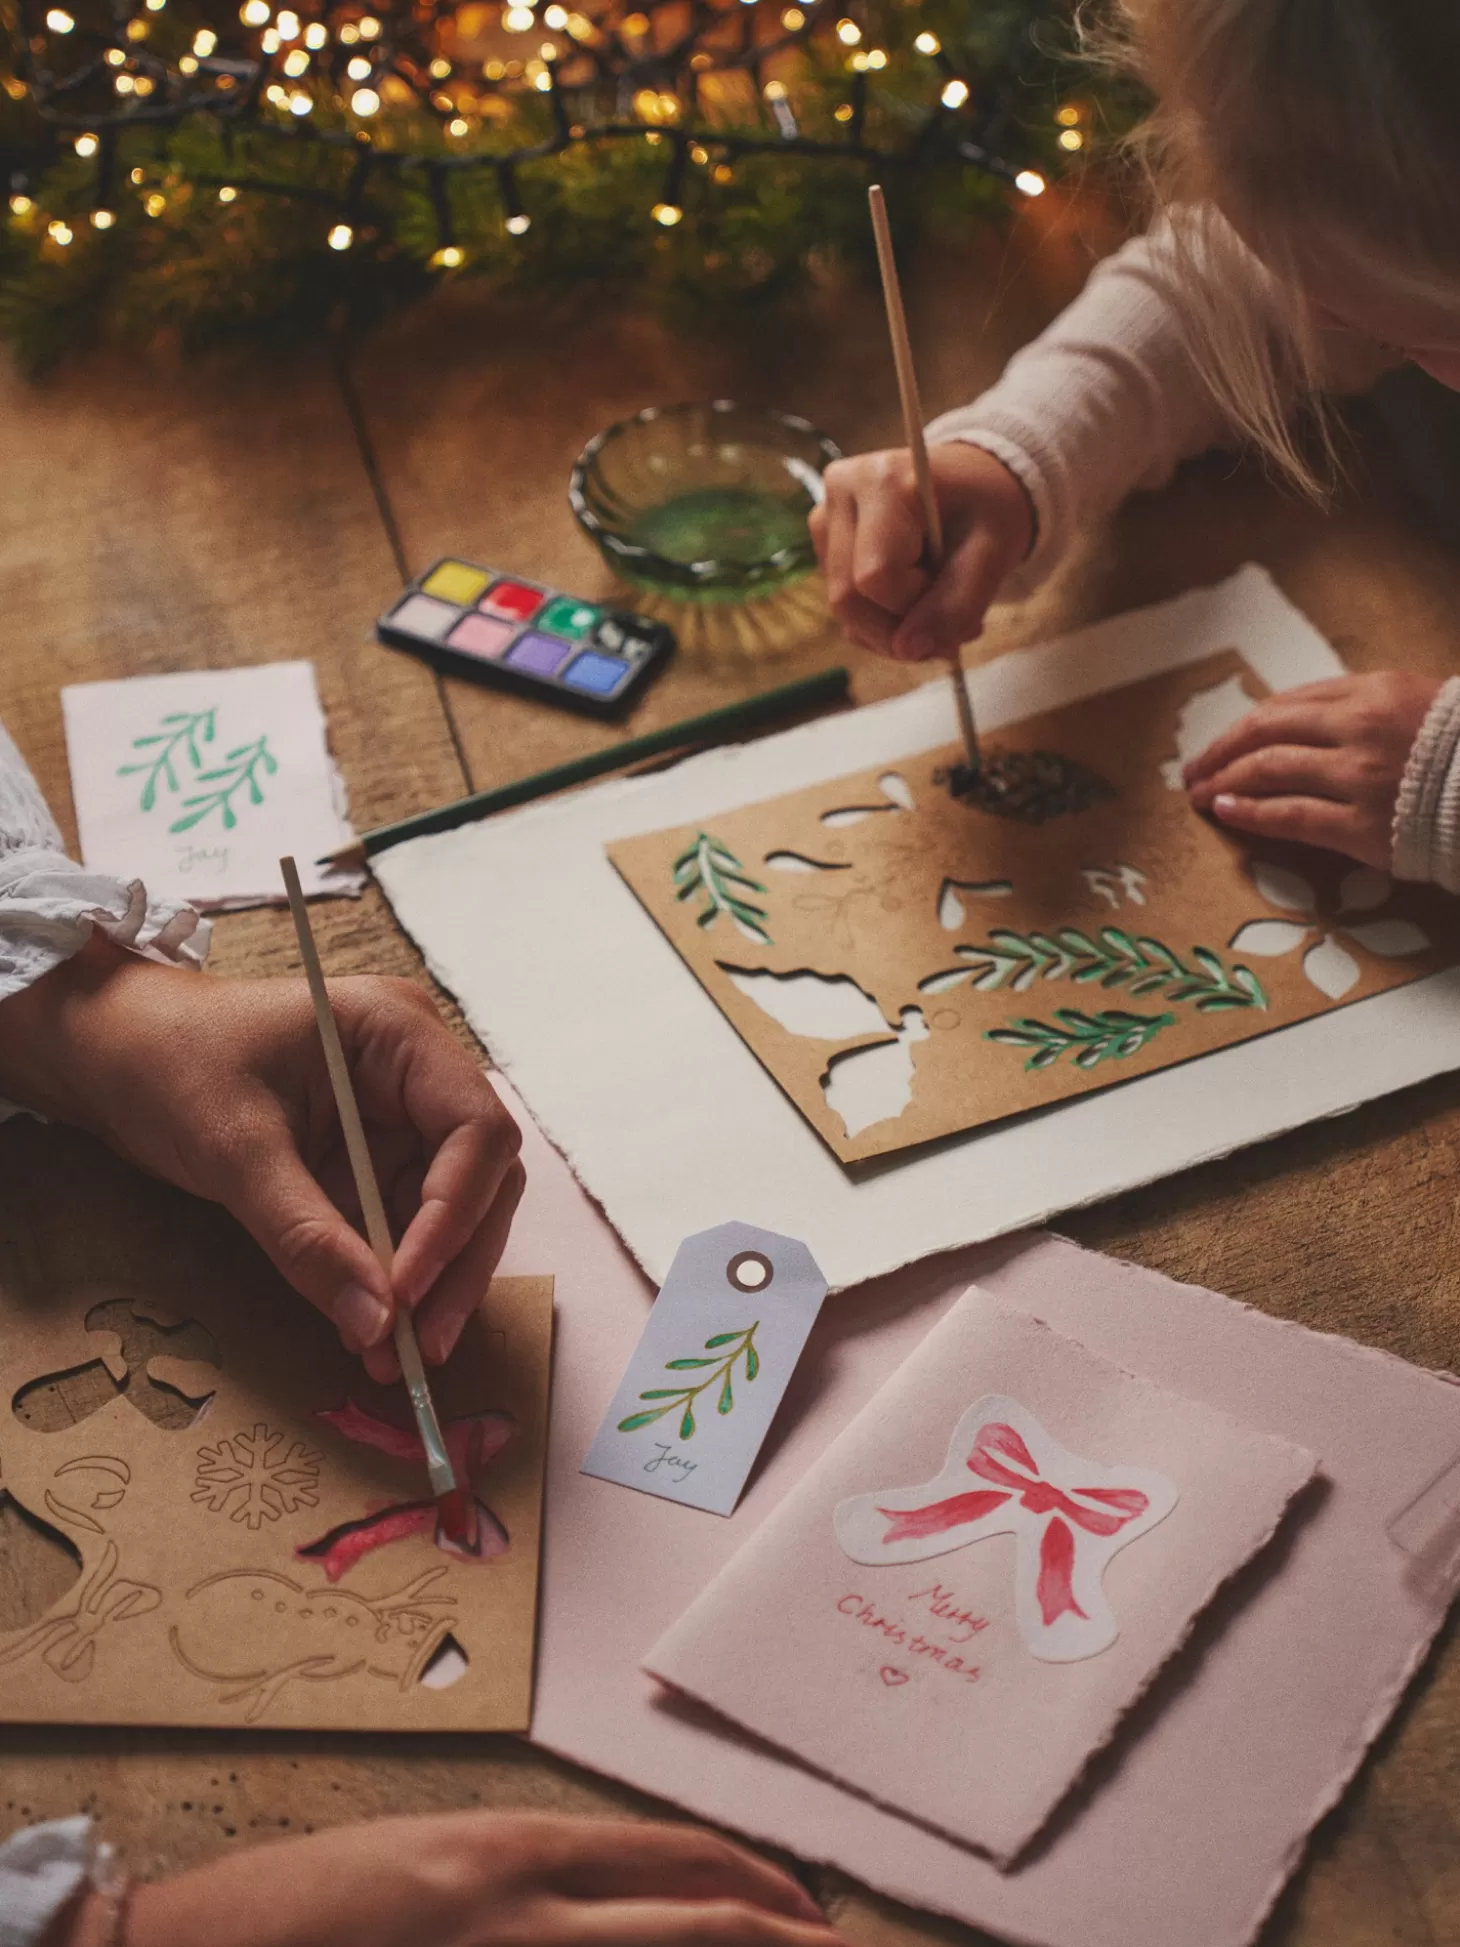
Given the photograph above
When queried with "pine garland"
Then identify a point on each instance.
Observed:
(702, 152)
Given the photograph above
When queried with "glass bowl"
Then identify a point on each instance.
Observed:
(703, 502)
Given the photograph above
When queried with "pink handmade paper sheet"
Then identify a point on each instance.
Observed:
(954, 1626)
(1188, 1827)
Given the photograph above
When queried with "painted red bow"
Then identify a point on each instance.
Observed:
(1000, 1455)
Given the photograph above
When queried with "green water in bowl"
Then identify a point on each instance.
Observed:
(740, 526)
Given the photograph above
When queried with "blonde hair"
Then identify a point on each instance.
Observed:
(1306, 131)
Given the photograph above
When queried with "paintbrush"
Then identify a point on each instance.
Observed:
(455, 1508)
(912, 421)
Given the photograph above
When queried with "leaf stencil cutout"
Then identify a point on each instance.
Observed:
(1365, 889)
(871, 1085)
(951, 908)
(896, 786)
(1269, 937)
(1279, 887)
(1391, 939)
(1331, 970)
(818, 1006)
(799, 862)
(708, 867)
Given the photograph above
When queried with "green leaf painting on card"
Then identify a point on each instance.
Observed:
(711, 869)
(240, 771)
(181, 735)
(1112, 958)
(728, 1349)
(1089, 1038)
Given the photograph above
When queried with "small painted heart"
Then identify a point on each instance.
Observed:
(892, 1678)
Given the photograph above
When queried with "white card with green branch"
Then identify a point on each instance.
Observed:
(197, 783)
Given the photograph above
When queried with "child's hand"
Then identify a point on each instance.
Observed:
(870, 535)
(482, 1879)
(220, 1086)
(1321, 764)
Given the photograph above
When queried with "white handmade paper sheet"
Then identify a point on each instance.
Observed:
(669, 1120)
(199, 782)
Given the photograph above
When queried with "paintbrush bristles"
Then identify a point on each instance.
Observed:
(907, 378)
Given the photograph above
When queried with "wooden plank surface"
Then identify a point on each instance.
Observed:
(171, 520)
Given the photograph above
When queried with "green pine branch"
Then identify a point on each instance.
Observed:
(1112, 959)
(710, 868)
(675, 1398)
(240, 772)
(181, 729)
(1091, 1038)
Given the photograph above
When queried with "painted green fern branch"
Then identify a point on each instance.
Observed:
(709, 867)
(742, 1346)
(1112, 958)
(181, 729)
(241, 771)
(1090, 1038)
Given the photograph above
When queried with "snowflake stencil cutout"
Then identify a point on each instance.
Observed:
(254, 1478)
(1330, 967)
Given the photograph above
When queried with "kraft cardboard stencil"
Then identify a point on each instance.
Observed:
(960, 1649)
(249, 1522)
(908, 966)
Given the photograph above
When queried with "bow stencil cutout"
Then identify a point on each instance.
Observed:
(1069, 1517)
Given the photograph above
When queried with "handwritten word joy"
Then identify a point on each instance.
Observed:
(908, 1638)
(679, 1468)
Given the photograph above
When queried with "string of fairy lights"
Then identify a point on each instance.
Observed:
(408, 90)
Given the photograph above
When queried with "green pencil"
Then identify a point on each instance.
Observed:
(715, 726)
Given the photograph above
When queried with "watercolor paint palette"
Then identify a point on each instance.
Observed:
(498, 628)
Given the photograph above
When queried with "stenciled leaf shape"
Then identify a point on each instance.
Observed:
(1391, 939)
(687, 1424)
(727, 1397)
(685, 1365)
(1280, 887)
(720, 1338)
(1331, 970)
(752, 1362)
(636, 1420)
(1364, 889)
(1269, 937)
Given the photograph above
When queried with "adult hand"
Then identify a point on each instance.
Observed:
(870, 536)
(1321, 764)
(220, 1086)
(482, 1879)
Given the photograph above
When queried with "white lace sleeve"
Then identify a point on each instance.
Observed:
(49, 903)
(42, 1868)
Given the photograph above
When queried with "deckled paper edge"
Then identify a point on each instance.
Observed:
(1294, 1469)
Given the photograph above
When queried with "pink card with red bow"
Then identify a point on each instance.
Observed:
(960, 1602)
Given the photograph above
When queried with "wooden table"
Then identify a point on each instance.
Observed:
(232, 513)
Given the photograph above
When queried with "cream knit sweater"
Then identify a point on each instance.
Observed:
(1108, 400)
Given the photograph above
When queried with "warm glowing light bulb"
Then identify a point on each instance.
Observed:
(365, 101)
(519, 225)
(143, 84)
(316, 35)
(204, 41)
(138, 30)
(848, 32)
(877, 57)
(458, 126)
(792, 19)
(21, 206)
(349, 34)
(842, 112)
(449, 257)
(288, 25)
(859, 63)
(341, 237)
(87, 145)
(124, 84)
(1072, 139)
(667, 213)
(300, 103)
(103, 219)
(440, 69)
(955, 94)
(59, 21)
(358, 67)
(187, 64)
(269, 40)
(254, 13)
(775, 91)
(556, 18)
(1068, 115)
(277, 95)
(155, 204)
(137, 178)
(114, 57)
(927, 44)
(1030, 182)
(228, 194)
(544, 84)
(518, 20)
(296, 62)
(369, 27)
(59, 232)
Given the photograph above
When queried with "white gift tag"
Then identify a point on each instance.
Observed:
(693, 1408)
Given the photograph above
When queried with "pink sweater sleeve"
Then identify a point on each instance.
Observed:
(1108, 399)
